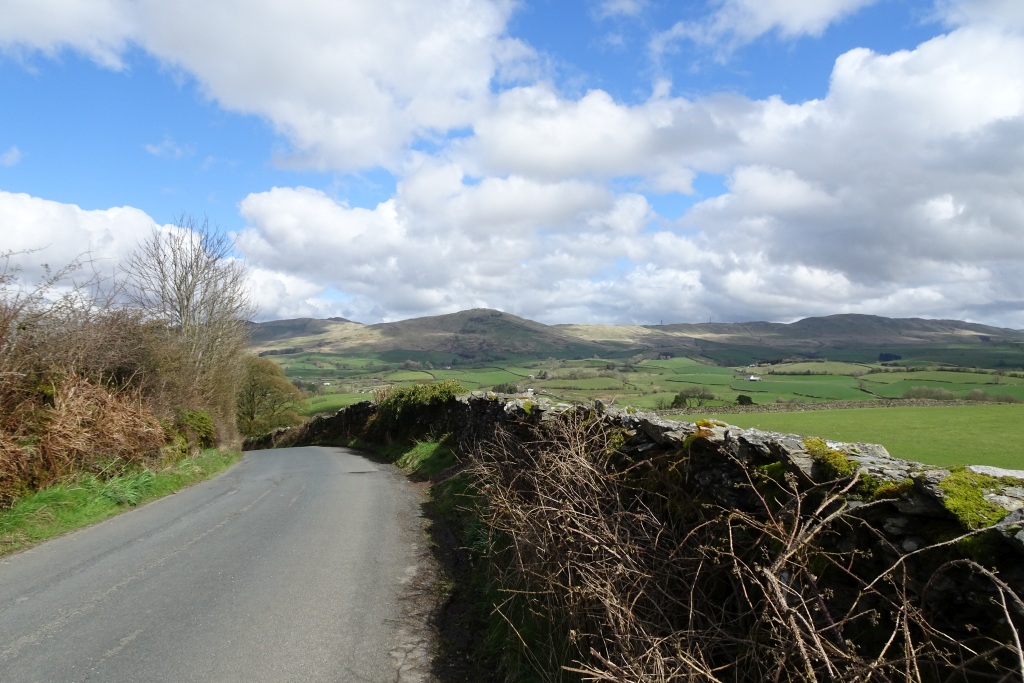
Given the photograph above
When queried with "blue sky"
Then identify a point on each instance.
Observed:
(618, 161)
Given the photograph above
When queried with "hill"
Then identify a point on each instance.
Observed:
(485, 334)
(477, 334)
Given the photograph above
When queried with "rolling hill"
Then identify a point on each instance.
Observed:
(485, 334)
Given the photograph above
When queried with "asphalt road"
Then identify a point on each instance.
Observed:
(303, 564)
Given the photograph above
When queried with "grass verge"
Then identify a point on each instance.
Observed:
(86, 500)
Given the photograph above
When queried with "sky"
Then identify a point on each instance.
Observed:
(568, 161)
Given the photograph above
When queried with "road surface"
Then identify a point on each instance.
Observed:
(302, 564)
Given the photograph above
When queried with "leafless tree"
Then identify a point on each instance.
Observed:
(186, 280)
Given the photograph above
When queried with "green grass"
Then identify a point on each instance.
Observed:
(426, 459)
(72, 505)
(654, 382)
(943, 435)
(329, 403)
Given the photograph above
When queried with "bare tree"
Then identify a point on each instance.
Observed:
(187, 282)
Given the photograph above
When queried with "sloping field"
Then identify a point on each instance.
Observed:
(965, 435)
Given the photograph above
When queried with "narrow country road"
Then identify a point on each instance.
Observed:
(302, 564)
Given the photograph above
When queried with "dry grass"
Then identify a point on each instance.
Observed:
(82, 427)
(646, 581)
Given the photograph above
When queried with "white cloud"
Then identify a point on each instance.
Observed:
(12, 157)
(900, 192)
(98, 28)
(738, 22)
(350, 84)
(1001, 13)
(44, 231)
(169, 149)
(441, 244)
(619, 8)
(533, 131)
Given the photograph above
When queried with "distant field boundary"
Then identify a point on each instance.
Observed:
(818, 405)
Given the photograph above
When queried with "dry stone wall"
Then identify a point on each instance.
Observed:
(930, 558)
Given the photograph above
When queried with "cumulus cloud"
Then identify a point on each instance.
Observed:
(900, 192)
(533, 131)
(41, 231)
(98, 28)
(349, 84)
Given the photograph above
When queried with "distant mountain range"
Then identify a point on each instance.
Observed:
(483, 334)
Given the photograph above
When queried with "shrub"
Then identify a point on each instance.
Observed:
(413, 411)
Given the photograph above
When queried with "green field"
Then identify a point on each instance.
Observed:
(974, 434)
(330, 403)
(953, 435)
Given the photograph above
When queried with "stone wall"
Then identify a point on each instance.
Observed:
(933, 552)
(916, 489)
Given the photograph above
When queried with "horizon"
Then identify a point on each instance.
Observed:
(661, 324)
(607, 161)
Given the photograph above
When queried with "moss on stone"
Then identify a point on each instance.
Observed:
(886, 490)
(964, 497)
(834, 463)
(708, 424)
(775, 471)
(701, 433)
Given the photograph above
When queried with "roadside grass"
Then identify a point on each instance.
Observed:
(940, 435)
(78, 503)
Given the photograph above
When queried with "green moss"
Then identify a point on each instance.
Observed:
(965, 497)
(775, 471)
(528, 406)
(697, 436)
(708, 424)
(834, 463)
(874, 488)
